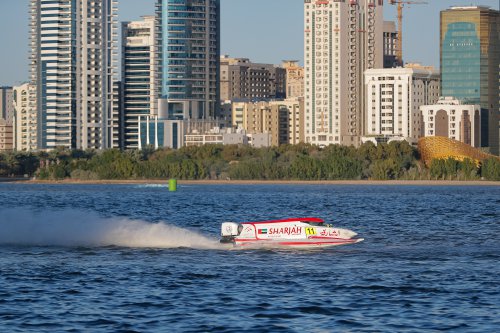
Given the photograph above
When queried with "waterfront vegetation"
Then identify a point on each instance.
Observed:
(393, 161)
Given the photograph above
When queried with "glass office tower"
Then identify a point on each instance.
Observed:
(470, 59)
(188, 33)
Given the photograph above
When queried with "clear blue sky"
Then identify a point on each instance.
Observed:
(262, 30)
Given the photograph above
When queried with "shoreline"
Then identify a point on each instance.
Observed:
(259, 182)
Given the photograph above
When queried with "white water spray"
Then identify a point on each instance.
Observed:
(80, 228)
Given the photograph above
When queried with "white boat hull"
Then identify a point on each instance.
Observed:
(306, 244)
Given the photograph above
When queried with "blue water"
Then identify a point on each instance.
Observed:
(132, 258)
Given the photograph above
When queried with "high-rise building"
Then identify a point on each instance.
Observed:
(242, 79)
(294, 79)
(188, 33)
(25, 118)
(72, 67)
(342, 40)
(117, 128)
(6, 104)
(391, 45)
(394, 97)
(6, 118)
(295, 108)
(139, 76)
(226, 112)
(470, 60)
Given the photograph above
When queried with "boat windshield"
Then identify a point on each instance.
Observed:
(319, 224)
(316, 224)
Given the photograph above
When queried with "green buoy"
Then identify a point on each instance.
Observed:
(172, 185)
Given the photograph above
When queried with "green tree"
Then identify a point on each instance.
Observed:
(467, 170)
(490, 169)
(438, 169)
(11, 164)
(451, 168)
(385, 169)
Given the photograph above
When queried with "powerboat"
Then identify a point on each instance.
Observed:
(307, 232)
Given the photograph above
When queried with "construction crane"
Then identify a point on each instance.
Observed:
(401, 3)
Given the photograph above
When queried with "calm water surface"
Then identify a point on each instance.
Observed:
(136, 258)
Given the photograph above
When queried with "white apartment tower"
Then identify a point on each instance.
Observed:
(343, 38)
(139, 76)
(72, 67)
(394, 97)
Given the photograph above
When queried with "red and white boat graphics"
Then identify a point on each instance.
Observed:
(296, 232)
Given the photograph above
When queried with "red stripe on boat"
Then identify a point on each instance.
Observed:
(300, 219)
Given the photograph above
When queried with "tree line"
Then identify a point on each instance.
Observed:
(393, 161)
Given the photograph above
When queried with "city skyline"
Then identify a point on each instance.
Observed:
(249, 40)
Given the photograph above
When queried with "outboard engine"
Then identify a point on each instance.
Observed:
(229, 230)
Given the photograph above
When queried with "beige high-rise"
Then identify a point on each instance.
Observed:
(342, 40)
(263, 117)
(6, 136)
(295, 107)
(25, 118)
(294, 79)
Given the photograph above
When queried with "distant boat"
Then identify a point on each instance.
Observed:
(307, 232)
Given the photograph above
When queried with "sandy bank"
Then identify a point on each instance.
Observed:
(271, 182)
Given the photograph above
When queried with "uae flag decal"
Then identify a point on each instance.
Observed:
(262, 231)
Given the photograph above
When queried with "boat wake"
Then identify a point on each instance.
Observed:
(80, 228)
(152, 186)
